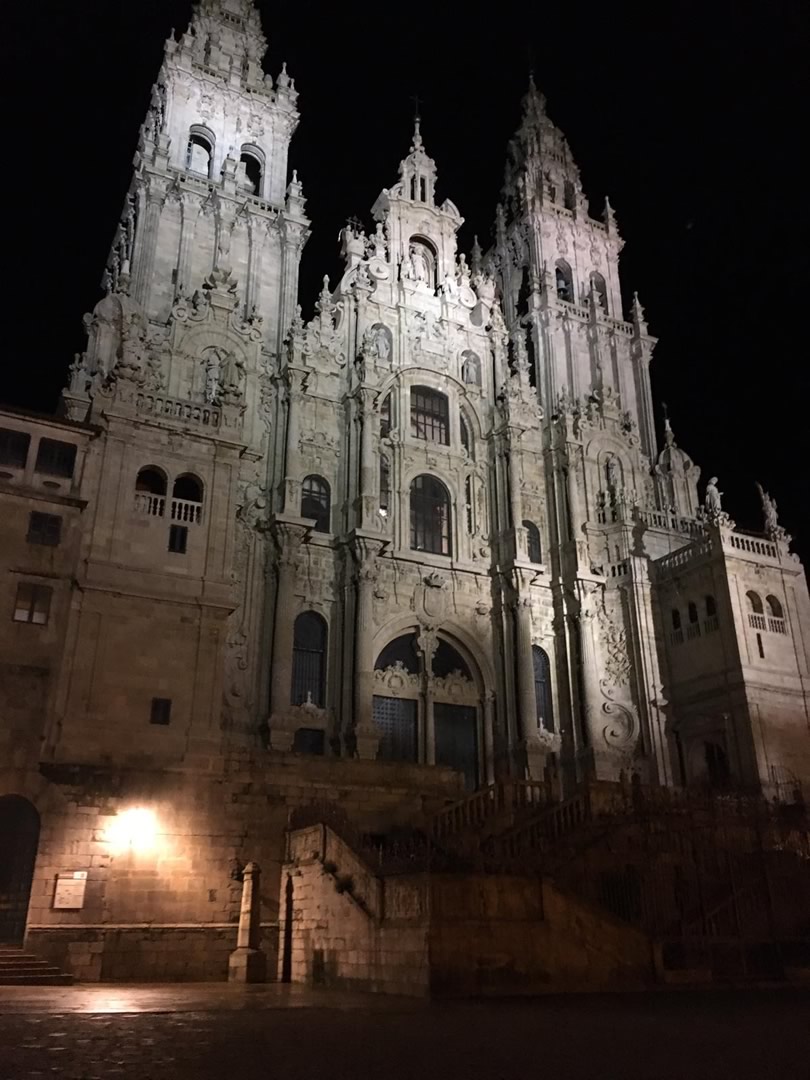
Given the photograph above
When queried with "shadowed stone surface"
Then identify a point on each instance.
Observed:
(86, 1033)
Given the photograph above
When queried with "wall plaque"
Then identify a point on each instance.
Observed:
(69, 894)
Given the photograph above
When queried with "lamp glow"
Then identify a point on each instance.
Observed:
(133, 830)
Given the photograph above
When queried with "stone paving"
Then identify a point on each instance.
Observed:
(289, 1033)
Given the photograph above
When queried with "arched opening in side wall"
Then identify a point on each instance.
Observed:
(19, 840)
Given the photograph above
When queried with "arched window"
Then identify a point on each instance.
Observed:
(200, 151)
(253, 160)
(316, 502)
(187, 497)
(533, 542)
(385, 484)
(470, 369)
(430, 516)
(600, 291)
(693, 612)
(309, 660)
(569, 195)
(676, 619)
(774, 607)
(464, 432)
(754, 602)
(542, 688)
(711, 607)
(150, 491)
(151, 480)
(385, 417)
(188, 487)
(565, 281)
(430, 415)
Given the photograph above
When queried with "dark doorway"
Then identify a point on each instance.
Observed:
(457, 739)
(19, 837)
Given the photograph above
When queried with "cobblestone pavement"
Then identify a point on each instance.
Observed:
(277, 1033)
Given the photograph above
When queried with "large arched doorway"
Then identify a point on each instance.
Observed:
(427, 706)
(19, 837)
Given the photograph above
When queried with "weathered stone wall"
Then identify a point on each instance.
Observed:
(172, 887)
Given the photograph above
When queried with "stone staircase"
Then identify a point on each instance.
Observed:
(21, 968)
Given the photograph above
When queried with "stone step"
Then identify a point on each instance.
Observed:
(18, 967)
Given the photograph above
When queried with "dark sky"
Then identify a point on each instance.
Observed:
(689, 115)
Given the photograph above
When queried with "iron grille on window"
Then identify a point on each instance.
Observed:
(14, 447)
(44, 529)
(55, 458)
(33, 603)
(430, 418)
(395, 720)
(309, 660)
(430, 516)
(385, 484)
(315, 502)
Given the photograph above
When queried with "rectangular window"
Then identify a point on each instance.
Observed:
(178, 539)
(44, 529)
(55, 458)
(161, 711)
(430, 416)
(14, 447)
(33, 603)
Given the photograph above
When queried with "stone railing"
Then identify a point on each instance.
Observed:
(186, 511)
(149, 505)
(497, 800)
(662, 519)
(185, 412)
(771, 623)
(751, 545)
(683, 556)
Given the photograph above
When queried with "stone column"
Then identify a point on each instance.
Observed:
(189, 212)
(144, 270)
(366, 734)
(296, 385)
(527, 702)
(368, 464)
(247, 963)
(289, 539)
(489, 737)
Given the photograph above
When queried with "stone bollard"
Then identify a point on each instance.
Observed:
(247, 963)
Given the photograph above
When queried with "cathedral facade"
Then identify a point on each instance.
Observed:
(425, 540)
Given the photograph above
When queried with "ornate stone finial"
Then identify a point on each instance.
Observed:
(608, 216)
(638, 311)
(476, 256)
(416, 141)
(283, 80)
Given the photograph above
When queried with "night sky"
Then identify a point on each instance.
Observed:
(688, 115)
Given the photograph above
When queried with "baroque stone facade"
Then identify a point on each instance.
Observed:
(424, 539)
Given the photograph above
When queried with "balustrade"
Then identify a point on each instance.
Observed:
(190, 513)
(151, 505)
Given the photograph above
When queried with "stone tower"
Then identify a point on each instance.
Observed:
(179, 371)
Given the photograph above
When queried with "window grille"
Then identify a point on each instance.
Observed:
(315, 502)
(44, 529)
(430, 516)
(430, 418)
(309, 659)
(33, 603)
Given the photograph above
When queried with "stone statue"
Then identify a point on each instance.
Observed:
(382, 343)
(408, 272)
(712, 500)
(212, 373)
(419, 264)
(378, 242)
(614, 475)
(223, 245)
(771, 518)
(450, 286)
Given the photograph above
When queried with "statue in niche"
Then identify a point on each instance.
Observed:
(213, 364)
(712, 499)
(450, 286)
(232, 374)
(614, 475)
(419, 263)
(382, 343)
(223, 245)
